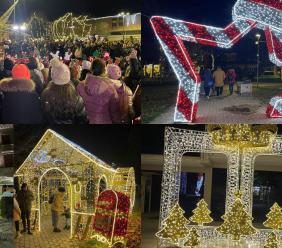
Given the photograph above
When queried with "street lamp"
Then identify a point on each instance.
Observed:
(123, 15)
(257, 43)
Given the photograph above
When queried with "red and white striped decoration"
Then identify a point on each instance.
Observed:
(171, 34)
(274, 108)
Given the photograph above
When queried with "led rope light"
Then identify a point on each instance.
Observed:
(247, 14)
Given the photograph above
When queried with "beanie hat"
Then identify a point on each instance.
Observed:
(60, 73)
(8, 64)
(20, 71)
(86, 65)
(32, 63)
(114, 71)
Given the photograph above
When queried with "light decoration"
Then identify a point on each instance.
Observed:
(247, 15)
(71, 26)
(241, 144)
(38, 26)
(175, 226)
(274, 217)
(111, 218)
(201, 215)
(57, 158)
(193, 238)
(237, 221)
(4, 18)
(274, 108)
(272, 241)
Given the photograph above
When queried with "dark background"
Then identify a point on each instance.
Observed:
(216, 13)
(52, 9)
(111, 143)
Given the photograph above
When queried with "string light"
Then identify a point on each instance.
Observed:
(192, 239)
(247, 14)
(243, 144)
(274, 217)
(272, 241)
(81, 173)
(201, 215)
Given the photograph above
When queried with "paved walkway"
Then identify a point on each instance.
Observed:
(47, 238)
(159, 101)
(6, 234)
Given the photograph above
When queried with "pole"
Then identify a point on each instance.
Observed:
(258, 66)
(14, 13)
(123, 27)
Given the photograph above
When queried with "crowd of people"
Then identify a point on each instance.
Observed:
(93, 81)
(215, 81)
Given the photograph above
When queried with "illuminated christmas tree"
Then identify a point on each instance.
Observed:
(201, 214)
(237, 221)
(272, 241)
(193, 238)
(174, 226)
(274, 217)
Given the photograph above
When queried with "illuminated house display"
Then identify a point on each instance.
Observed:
(55, 161)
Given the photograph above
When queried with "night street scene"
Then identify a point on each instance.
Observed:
(70, 62)
(212, 61)
(77, 186)
(216, 185)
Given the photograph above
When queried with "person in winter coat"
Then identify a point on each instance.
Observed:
(124, 93)
(231, 79)
(208, 81)
(34, 75)
(219, 77)
(57, 207)
(17, 216)
(20, 104)
(25, 198)
(86, 66)
(100, 96)
(60, 102)
(8, 67)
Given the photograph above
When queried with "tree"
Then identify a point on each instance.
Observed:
(272, 241)
(174, 226)
(274, 217)
(201, 214)
(193, 238)
(237, 221)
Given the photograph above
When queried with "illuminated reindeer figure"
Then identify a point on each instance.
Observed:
(247, 15)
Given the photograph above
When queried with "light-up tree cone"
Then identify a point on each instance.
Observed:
(175, 226)
(272, 241)
(193, 239)
(246, 14)
(237, 221)
(201, 214)
(274, 217)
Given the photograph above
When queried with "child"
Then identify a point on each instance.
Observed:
(68, 216)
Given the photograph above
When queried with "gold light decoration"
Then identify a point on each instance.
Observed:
(193, 239)
(237, 221)
(201, 214)
(55, 157)
(274, 217)
(175, 226)
(272, 241)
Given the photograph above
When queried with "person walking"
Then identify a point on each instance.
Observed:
(208, 82)
(231, 79)
(25, 198)
(17, 217)
(219, 77)
(57, 207)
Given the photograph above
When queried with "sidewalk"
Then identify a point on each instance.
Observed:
(159, 105)
(6, 234)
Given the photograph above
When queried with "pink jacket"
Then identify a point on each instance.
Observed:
(101, 100)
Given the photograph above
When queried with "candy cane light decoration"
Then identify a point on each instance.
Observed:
(247, 15)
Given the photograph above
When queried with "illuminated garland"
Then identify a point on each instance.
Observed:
(247, 14)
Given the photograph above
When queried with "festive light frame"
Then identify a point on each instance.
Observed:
(247, 15)
(180, 141)
(53, 152)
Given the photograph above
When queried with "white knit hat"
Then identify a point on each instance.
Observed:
(86, 65)
(60, 73)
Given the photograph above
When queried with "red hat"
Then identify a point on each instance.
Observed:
(21, 71)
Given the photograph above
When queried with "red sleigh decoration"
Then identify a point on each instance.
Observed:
(247, 15)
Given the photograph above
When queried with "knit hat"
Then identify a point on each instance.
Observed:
(20, 71)
(60, 73)
(8, 64)
(86, 65)
(114, 71)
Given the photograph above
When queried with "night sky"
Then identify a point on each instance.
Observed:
(214, 13)
(111, 143)
(53, 9)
